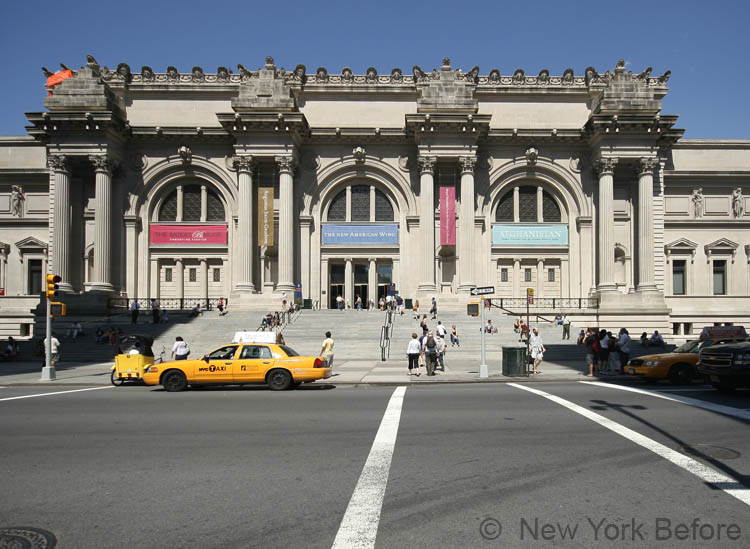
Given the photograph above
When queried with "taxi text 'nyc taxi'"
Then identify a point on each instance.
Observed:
(276, 365)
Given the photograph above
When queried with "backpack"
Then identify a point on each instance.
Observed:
(430, 344)
(596, 347)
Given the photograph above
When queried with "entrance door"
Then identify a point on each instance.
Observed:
(336, 285)
(385, 277)
(35, 277)
(360, 283)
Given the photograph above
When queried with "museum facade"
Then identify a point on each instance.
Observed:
(247, 184)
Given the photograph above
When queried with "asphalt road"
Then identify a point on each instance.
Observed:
(472, 466)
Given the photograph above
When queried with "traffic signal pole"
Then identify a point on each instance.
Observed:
(48, 371)
(483, 369)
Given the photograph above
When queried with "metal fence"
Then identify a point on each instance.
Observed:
(169, 303)
(547, 303)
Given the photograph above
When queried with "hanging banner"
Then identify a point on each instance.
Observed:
(265, 216)
(448, 216)
(188, 234)
(529, 235)
(359, 234)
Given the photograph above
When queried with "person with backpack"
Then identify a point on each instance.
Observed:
(413, 351)
(603, 352)
(430, 350)
(591, 342)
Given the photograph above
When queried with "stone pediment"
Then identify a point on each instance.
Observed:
(447, 91)
(721, 246)
(681, 246)
(31, 243)
(268, 92)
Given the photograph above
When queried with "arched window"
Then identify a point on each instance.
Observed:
(504, 212)
(214, 207)
(360, 207)
(550, 209)
(191, 203)
(527, 205)
(168, 210)
(383, 207)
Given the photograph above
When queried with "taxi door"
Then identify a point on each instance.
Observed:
(253, 364)
(217, 368)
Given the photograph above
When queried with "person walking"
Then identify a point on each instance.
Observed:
(358, 303)
(440, 352)
(155, 310)
(433, 308)
(54, 352)
(566, 327)
(400, 304)
(327, 349)
(423, 325)
(134, 310)
(340, 302)
(440, 330)
(412, 351)
(536, 348)
(430, 353)
(603, 351)
(415, 309)
(590, 341)
(454, 336)
(180, 349)
(623, 348)
(220, 306)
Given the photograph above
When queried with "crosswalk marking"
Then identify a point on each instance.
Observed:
(720, 408)
(359, 527)
(55, 393)
(707, 474)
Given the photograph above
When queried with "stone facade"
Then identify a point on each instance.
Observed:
(142, 184)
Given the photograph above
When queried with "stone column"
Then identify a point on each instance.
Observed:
(324, 286)
(154, 274)
(204, 280)
(102, 224)
(372, 281)
(286, 224)
(180, 278)
(60, 202)
(646, 224)
(466, 242)
(606, 225)
(349, 282)
(516, 278)
(539, 278)
(427, 220)
(132, 226)
(245, 250)
(204, 203)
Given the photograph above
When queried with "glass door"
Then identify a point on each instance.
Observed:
(336, 286)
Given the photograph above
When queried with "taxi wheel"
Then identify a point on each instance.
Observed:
(681, 374)
(279, 380)
(116, 380)
(174, 381)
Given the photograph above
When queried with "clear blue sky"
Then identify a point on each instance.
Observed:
(706, 45)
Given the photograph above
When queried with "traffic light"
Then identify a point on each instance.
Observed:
(52, 287)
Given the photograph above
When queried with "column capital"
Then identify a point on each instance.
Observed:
(58, 162)
(647, 165)
(371, 259)
(286, 163)
(102, 163)
(605, 166)
(467, 163)
(426, 164)
(243, 163)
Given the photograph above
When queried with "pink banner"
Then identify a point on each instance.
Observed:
(188, 234)
(447, 216)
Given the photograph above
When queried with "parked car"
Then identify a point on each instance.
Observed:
(727, 367)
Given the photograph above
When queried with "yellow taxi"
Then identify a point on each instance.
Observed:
(680, 365)
(278, 366)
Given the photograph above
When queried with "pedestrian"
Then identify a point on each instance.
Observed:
(440, 352)
(656, 340)
(524, 331)
(433, 308)
(423, 325)
(430, 352)
(454, 336)
(54, 352)
(283, 301)
(558, 320)
(12, 348)
(358, 303)
(134, 310)
(441, 331)
(155, 310)
(517, 326)
(603, 353)
(415, 309)
(220, 306)
(180, 349)
(400, 305)
(488, 327)
(327, 349)
(381, 304)
(164, 318)
(388, 302)
(340, 302)
(590, 341)
(623, 348)
(566, 327)
(581, 337)
(412, 352)
(536, 348)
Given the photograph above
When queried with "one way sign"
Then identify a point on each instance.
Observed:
(483, 290)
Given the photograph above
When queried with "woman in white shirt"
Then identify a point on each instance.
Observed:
(180, 349)
(413, 351)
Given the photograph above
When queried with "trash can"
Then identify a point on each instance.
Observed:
(514, 362)
(307, 303)
(408, 304)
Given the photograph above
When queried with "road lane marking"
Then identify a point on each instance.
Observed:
(707, 474)
(720, 408)
(359, 527)
(55, 393)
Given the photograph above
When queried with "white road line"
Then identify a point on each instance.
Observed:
(55, 393)
(720, 408)
(703, 472)
(359, 527)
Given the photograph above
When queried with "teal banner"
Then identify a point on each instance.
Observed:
(529, 235)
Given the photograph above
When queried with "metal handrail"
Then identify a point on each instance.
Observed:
(169, 303)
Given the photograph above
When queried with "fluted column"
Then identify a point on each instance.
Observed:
(180, 278)
(646, 224)
(516, 278)
(102, 224)
(540, 278)
(60, 202)
(372, 281)
(466, 242)
(349, 282)
(204, 280)
(286, 223)
(606, 225)
(427, 220)
(245, 250)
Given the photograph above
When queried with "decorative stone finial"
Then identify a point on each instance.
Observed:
(269, 63)
(359, 155)
(186, 155)
(446, 64)
(531, 156)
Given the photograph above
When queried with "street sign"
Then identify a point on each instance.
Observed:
(530, 292)
(483, 290)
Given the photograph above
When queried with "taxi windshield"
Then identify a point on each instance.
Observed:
(689, 347)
